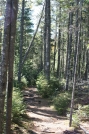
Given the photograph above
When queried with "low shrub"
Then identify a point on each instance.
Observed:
(43, 86)
(57, 84)
(48, 88)
(18, 107)
(30, 71)
(75, 120)
(61, 102)
(81, 114)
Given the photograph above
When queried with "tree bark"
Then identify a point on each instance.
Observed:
(59, 46)
(55, 45)
(21, 42)
(4, 63)
(14, 7)
(47, 40)
(77, 33)
(69, 45)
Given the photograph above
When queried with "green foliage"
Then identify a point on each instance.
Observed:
(61, 102)
(81, 114)
(49, 88)
(18, 107)
(57, 84)
(43, 86)
(76, 120)
(39, 2)
(24, 80)
(22, 84)
(85, 110)
(30, 72)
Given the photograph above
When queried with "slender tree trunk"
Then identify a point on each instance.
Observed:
(21, 42)
(82, 47)
(47, 40)
(77, 28)
(55, 45)
(41, 57)
(31, 43)
(59, 46)
(14, 7)
(80, 52)
(86, 68)
(63, 56)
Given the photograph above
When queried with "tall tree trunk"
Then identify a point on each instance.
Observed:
(59, 45)
(55, 45)
(63, 57)
(86, 67)
(47, 40)
(21, 42)
(80, 49)
(69, 45)
(14, 7)
(77, 33)
(87, 53)
(41, 55)
(4, 63)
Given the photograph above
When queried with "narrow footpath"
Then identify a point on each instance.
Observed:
(44, 118)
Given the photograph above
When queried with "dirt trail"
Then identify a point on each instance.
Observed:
(44, 118)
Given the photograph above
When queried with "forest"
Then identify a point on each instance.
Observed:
(44, 66)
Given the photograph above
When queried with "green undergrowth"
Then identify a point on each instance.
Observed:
(20, 120)
(21, 85)
(61, 102)
(81, 114)
(61, 99)
(81, 105)
(49, 88)
(54, 89)
(18, 107)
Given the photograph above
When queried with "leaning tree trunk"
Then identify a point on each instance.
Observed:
(14, 7)
(47, 40)
(31, 43)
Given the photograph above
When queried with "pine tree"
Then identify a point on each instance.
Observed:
(47, 40)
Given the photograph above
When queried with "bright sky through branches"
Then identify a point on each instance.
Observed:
(1, 18)
(36, 11)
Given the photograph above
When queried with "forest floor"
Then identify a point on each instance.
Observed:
(43, 119)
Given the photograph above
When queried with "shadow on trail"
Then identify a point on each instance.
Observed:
(31, 132)
(36, 104)
(46, 113)
(35, 119)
